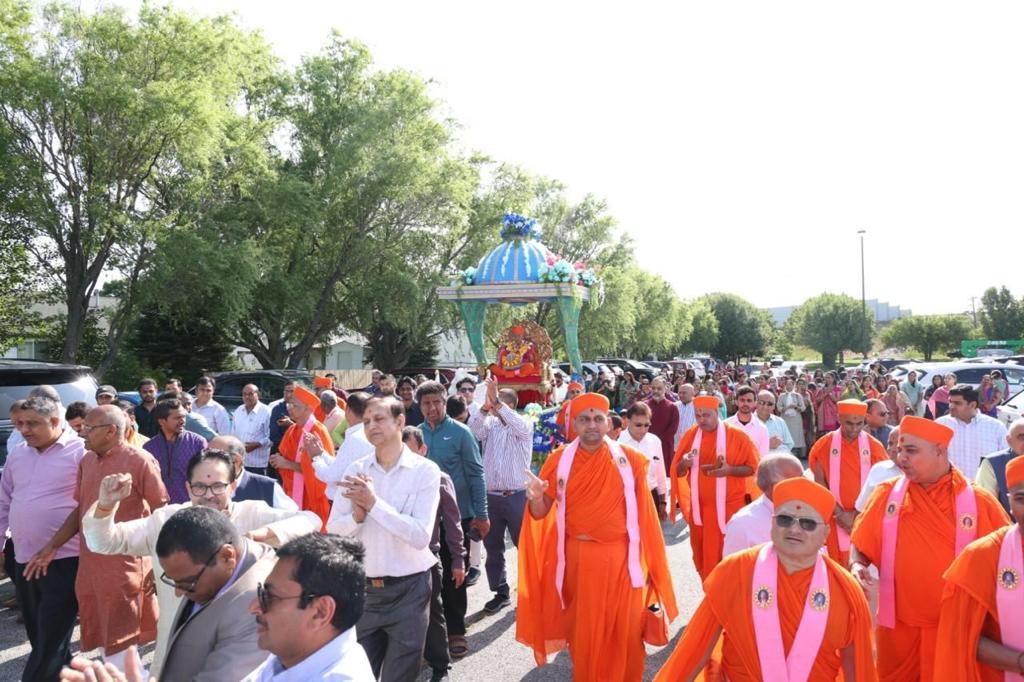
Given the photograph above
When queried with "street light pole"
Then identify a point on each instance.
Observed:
(863, 297)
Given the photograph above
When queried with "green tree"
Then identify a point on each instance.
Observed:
(18, 291)
(182, 344)
(114, 125)
(831, 324)
(91, 350)
(662, 319)
(927, 333)
(703, 335)
(1002, 315)
(742, 329)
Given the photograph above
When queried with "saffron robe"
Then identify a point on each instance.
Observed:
(849, 479)
(564, 421)
(924, 550)
(314, 493)
(116, 594)
(969, 610)
(727, 604)
(602, 622)
(707, 540)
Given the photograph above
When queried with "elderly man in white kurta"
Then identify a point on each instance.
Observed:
(211, 481)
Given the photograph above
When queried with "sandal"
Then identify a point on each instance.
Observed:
(457, 646)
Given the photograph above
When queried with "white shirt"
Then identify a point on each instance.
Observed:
(777, 427)
(687, 418)
(216, 416)
(650, 446)
(757, 431)
(254, 427)
(396, 531)
(558, 393)
(880, 471)
(340, 660)
(330, 469)
(973, 440)
(507, 447)
(750, 526)
(138, 538)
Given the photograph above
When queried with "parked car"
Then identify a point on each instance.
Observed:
(270, 382)
(966, 372)
(19, 377)
(887, 363)
(591, 368)
(696, 364)
(1011, 409)
(446, 373)
(639, 369)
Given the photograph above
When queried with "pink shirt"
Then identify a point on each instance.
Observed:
(37, 492)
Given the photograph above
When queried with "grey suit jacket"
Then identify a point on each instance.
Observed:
(218, 643)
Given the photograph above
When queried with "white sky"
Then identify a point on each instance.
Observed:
(742, 144)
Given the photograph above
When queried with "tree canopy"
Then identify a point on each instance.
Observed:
(1002, 315)
(927, 333)
(831, 324)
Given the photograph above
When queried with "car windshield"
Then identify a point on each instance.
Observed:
(71, 384)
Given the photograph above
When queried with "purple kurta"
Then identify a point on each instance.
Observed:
(173, 460)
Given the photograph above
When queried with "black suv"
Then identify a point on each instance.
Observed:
(639, 369)
(19, 377)
(270, 382)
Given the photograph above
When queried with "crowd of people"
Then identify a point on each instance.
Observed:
(334, 534)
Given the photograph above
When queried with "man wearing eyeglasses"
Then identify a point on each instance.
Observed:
(784, 590)
(205, 559)
(211, 481)
(878, 420)
(116, 610)
(638, 436)
(307, 609)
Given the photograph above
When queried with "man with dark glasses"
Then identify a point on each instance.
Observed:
(765, 595)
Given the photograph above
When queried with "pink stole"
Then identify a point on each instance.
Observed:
(776, 666)
(1010, 595)
(719, 482)
(966, 531)
(298, 480)
(834, 468)
(636, 574)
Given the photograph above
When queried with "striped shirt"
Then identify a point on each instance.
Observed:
(687, 418)
(508, 447)
(973, 440)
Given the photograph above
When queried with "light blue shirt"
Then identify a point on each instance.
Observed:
(777, 427)
(340, 660)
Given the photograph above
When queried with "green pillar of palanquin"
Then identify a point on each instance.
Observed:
(473, 315)
(569, 308)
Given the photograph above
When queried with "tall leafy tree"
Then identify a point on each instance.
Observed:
(179, 344)
(742, 328)
(1002, 315)
(831, 324)
(703, 336)
(113, 124)
(928, 333)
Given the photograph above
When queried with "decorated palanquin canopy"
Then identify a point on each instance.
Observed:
(518, 271)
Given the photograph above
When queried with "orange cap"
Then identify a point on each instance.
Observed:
(575, 386)
(322, 382)
(589, 401)
(706, 402)
(307, 397)
(1015, 472)
(805, 490)
(518, 329)
(852, 407)
(930, 431)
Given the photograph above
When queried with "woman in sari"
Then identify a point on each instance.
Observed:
(929, 394)
(895, 403)
(826, 405)
(629, 387)
(867, 387)
(988, 396)
(791, 407)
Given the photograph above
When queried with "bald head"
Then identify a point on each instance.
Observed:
(777, 467)
(111, 414)
(686, 392)
(229, 444)
(1015, 436)
(765, 405)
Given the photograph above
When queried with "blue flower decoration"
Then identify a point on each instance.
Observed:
(515, 225)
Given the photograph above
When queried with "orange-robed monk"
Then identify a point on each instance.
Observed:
(591, 553)
(295, 464)
(787, 611)
(911, 529)
(857, 451)
(725, 462)
(981, 623)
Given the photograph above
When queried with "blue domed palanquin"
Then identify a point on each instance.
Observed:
(518, 271)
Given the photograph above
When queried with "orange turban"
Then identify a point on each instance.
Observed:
(518, 329)
(805, 490)
(1015, 472)
(322, 382)
(852, 407)
(307, 397)
(575, 386)
(589, 401)
(930, 431)
(706, 402)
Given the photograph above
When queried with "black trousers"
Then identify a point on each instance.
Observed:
(49, 607)
(454, 598)
(435, 653)
(393, 627)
